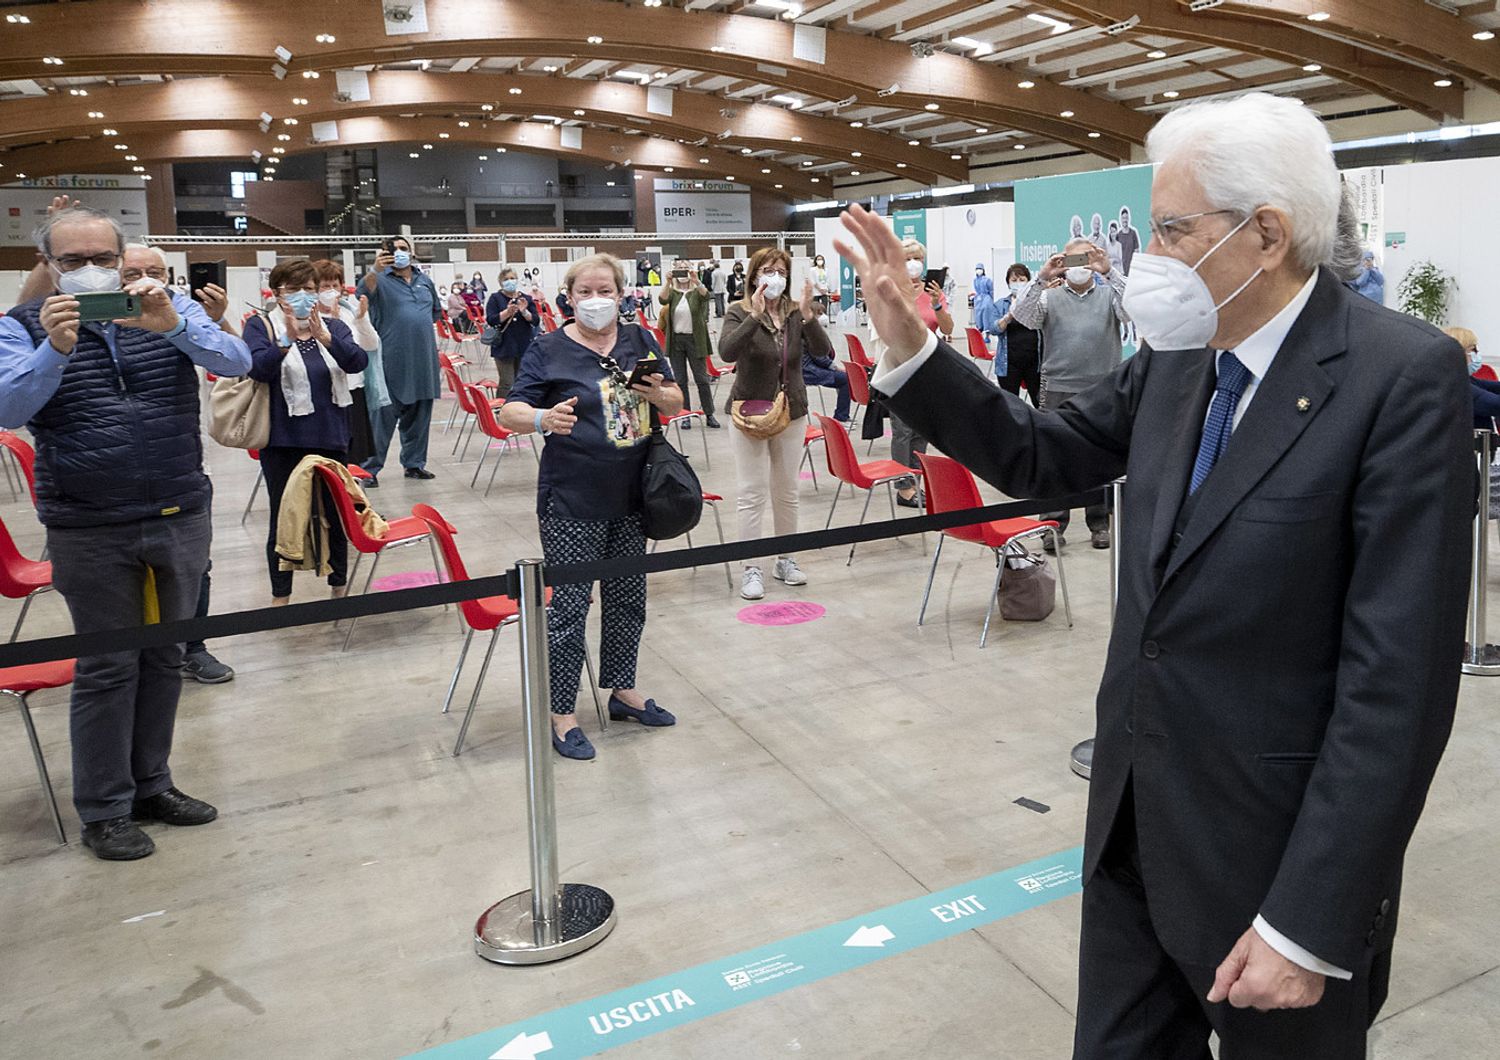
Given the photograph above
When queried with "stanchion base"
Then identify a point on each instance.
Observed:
(1488, 664)
(505, 935)
(1082, 759)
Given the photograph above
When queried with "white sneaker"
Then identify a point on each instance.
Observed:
(788, 571)
(752, 585)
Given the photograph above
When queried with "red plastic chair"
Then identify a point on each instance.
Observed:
(656, 333)
(467, 400)
(25, 458)
(687, 416)
(844, 465)
(399, 533)
(978, 348)
(1487, 373)
(486, 614)
(18, 682)
(857, 352)
(354, 469)
(859, 396)
(812, 434)
(487, 425)
(951, 488)
(713, 500)
(21, 578)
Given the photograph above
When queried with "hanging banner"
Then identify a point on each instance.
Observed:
(702, 206)
(23, 205)
(910, 224)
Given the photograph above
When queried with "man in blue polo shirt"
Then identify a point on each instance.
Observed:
(403, 306)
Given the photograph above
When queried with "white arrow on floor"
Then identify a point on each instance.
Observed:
(878, 936)
(524, 1047)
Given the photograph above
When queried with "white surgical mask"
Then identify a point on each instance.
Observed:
(91, 279)
(1018, 287)
(1079, 275)
(329, 298)
(914, 269)
(775, 284)
(596, 314)
(1171, 306)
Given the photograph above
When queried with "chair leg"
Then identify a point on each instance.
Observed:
(994, 595)
(483, 452)
(473, 430)
(25, 606)
(594, 688)
(834, 505)
(728, 577)
(496, 467)
(254, 490)
(453, 685)
(459, 437)
(41, 766)
(374, 565)
(869, 494)
(922, 614)
(707, 463)
(1062, 580)
(890, 493)
(452, 415)
(463, 730)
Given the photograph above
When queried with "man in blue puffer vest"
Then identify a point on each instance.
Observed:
(120, 487)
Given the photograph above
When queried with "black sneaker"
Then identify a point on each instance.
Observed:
(173, 807)
(371, 483)
(419, 472)
(914, 501)
(205, 669)
(117, 839)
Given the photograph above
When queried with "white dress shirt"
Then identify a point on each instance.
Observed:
(1256, 353)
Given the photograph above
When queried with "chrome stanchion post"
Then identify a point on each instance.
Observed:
(1480, 656)
(1081, 761)
(552, 920)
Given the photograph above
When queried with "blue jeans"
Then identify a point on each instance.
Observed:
(124, 704)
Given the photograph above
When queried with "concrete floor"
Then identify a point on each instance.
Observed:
(819, 772)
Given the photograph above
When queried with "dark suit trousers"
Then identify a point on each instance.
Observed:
(1135, 1001)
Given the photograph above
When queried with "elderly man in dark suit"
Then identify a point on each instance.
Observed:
(1283, 669)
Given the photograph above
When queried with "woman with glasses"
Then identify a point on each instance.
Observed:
(574, 388)
(305, 358)
(367, 387)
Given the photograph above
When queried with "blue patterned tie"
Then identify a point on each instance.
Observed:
(1233, 376)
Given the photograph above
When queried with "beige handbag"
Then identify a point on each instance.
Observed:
(239, 413)
(765, 419)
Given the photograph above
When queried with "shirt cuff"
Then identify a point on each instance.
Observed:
(890, 378)
(1295, 953)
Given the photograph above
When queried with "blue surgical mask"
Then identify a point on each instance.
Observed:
(1474, 362)
(403, 258)
(510, 287)
(301, 303)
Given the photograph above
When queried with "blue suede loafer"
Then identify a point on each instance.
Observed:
(575, 745)
(652, 715)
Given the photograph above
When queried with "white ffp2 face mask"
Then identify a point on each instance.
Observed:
(596, 314)
(1170, 305)
(774, 283)
(91, 279)
(915, 269)
(1080, 275)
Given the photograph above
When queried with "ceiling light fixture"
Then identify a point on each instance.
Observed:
(299, 101)
(1485, 34)
(1092, 136)
(796, 139)
(1020, 147)
(914, 143)
(290, 121)
(515, 91)
(78, 91)
(131, 158)
(110, 132)
(96, 114)
(484, 158)
(765, 171)
(122, 147)
(51, 60)
(856, 125)
(1171, 93)
(856, 154)
(442, 136)
(549, 69)
(1442, 82)
(981, 130)
(956, 158)
(311, 75)
(1065, 114)
(18, 20)
(596, 40)
(931, 106)
(278, 150)
(703, 161)
(745, 151)
(1025, 84)
(1319, 16)
(325, 38)
(1311, 68)
(668, 169)
(283, 136)
(414, 154)
(1157, 54)
(427, 147)
(486, 107)
(463, 125)
(578, 114)
(900, 165)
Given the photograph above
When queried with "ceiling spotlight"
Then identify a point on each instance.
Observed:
(931, 106)
(549, 69)
(854, 172)
(18, 20)
(299, 101)
(1484, 34)
(427, 147)
(578, 114)
(1157, 54)
(1022, 147)
(283, 136)
(856, 154)
(20, 176)
(325, 38)
(1025, 84)
(668, 169)
(1171, 93)
(138, 169)
(1092, 136)
(1442, 82)
(290, 121)
(900, 165)
(110, 132)
(1319, 16)
(78, 91)
(131, 158)
(311, 75)
(596, 40)
(744, 150)
(96, 114)
(463, 125)
(703, 161)
(956, 158)
(500, 150)
(796, 139)
(914, 143)
(414, 154)
(1065, 114)
(486, 107)
(856, 125)
(1311, 68)
(278, 150)
(122, 147)
(484, 158)
(778, 187)
(51, 60)
(515, 91)
(765, 171)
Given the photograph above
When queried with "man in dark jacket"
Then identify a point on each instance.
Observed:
(1278, 690)
(113, 407)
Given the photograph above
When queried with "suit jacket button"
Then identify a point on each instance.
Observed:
(1380, 922)
(1151, 649)
(1385, 906)
(1370, 939)
(1176, 540)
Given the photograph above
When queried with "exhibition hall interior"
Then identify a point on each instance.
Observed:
(674, 529)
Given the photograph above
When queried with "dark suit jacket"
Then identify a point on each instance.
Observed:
(1281, 680)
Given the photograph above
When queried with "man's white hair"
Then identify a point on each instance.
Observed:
(156, 252)
(1259, 150)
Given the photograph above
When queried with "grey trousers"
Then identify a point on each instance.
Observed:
(906, 443)
(125, 703)
(1095, 515)
(414, 421)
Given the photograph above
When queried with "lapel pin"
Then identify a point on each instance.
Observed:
(1303, 404)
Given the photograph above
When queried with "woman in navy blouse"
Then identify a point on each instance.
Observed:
(305, 358)
(573, 387)
(514, 316)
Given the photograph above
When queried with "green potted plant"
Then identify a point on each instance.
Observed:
(1424, 293)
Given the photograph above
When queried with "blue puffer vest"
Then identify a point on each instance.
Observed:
(119, 441)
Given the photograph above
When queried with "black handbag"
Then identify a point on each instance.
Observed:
(671, 495)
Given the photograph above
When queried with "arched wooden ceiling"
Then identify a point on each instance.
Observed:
(914, 89)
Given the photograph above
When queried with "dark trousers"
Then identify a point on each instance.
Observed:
(505, 375)
(202, 609)
(718, 305)
(684, 352)
(415, 422)
(278, 464)
(830, 377)
(906, 443)
(623, 600)
(1023, 368)
(1096, 515)
(124, 704)
(1135, 1001)
(361, 438)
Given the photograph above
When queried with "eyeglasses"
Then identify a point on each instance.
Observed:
(1168, 230)
(131, 275)
(70, 262)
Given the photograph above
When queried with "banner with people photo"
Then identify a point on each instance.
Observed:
(1110, 208)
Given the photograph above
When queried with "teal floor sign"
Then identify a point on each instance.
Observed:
(591, 1027)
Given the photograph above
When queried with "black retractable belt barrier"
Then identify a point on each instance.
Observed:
(260, 620)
